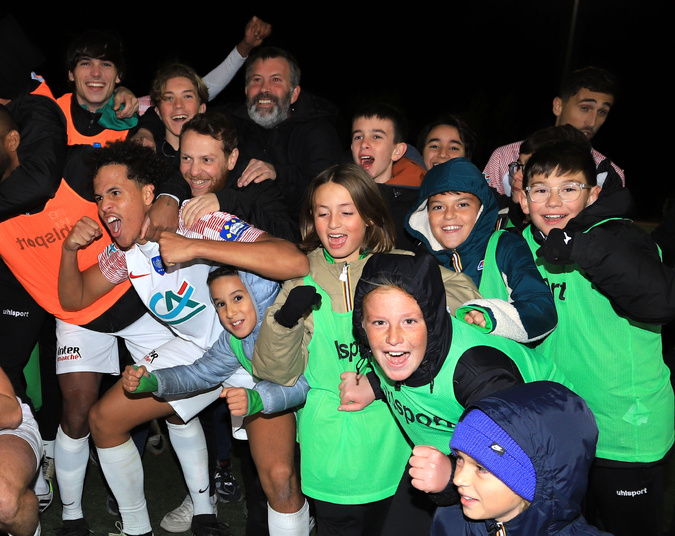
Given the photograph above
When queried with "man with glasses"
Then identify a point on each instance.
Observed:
(584, 101)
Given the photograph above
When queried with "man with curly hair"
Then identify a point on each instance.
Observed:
(170, 277)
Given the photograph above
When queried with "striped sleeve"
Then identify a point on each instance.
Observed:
(221, 226)
(113, 265)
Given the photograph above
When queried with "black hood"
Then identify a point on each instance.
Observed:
(419, 276)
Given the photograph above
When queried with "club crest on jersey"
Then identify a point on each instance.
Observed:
(234, 229)
(157, 265)
(176, 307)
(480, 265)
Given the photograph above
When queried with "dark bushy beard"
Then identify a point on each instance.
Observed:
(271, 118)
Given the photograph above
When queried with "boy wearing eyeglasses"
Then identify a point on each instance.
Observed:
(455, 217)
(611, 291)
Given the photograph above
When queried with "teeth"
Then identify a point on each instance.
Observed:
(452, 227)
(96, 84)
(181, 117)
(554, 216)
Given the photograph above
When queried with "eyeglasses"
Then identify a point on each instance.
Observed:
(514, 167)
(567, 192)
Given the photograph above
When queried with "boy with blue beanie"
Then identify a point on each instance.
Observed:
(523, 456)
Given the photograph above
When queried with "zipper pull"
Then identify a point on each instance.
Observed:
(343, 274)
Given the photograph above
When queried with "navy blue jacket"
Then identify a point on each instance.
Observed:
(557, 430)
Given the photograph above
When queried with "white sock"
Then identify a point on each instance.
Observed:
(70, 463)
(189, 445)
(295, 524)
(123, 470)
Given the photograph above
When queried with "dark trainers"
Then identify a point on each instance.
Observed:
(227, 489)
(208, 525)
(74, 527)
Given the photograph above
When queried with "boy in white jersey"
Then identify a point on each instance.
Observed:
(173, 286)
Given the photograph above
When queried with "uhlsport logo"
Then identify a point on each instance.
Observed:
(176, 307)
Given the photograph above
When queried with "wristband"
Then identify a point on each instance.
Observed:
(254, 402)
(148, 384)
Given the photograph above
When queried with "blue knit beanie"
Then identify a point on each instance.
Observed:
(486, 442)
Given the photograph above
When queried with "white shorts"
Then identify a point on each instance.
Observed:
(28, 431)
(183, 352)
(83, 350)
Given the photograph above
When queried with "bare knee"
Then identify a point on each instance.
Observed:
(279, 482)
(12, 501)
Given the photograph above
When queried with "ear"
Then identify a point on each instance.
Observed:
(295, 94)
(148, 194)
(523, 202)
(593, 195)
(557, 106)
(232, 159)
(12, 140)
(399, 151)
(71, 77)
(202, 108)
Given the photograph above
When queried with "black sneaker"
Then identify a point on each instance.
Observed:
(227, 489)
(75, 527)
(208, 525)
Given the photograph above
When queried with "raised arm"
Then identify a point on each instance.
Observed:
(79, 289)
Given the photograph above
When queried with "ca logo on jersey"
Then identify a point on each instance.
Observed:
(176, 307)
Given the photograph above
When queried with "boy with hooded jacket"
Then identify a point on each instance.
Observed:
(538, 439)
(455, 219)
(241, 307)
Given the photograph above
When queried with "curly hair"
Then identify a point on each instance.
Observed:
(143, 164)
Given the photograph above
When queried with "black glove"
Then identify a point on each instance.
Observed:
(300, 300)
(557, 249)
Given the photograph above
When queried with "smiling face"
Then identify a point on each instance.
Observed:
(442, 144)
(586, 111)
(373, 147)
(396, 330)
(269, 94)
(452, 216)
(482, 494)
(234, 305)
(338, 224)
(94, 81)
(204, 163)
(554, 212)
(122, 203)
(179, 103)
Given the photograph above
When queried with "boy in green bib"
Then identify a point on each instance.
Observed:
(608, 282)
(454, 218)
